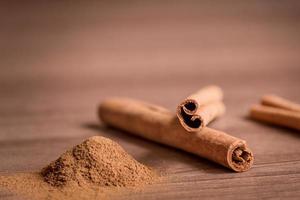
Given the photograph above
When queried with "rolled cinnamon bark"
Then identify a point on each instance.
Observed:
(160, 125)
(276, 116)
(202, 117)
(200, 108)
(279, 102)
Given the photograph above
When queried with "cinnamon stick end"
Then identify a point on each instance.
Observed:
(189, 106)
(241, 159)
(191, 123)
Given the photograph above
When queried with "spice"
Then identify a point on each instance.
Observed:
(277, 116)
(279, 102)
(32, 186)
(200, 108)
(97, 161)
(158, 124)
(98, 168)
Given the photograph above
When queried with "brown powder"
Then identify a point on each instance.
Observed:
(98, 168)
(32, 186)
(97, 161)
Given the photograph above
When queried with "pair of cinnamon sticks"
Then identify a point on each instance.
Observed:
(278, 111)
(189, 133)
(200, 108)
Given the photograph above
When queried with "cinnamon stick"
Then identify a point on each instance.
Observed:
(279, 102)
(160, 125)
(199, 109)
(277, 116)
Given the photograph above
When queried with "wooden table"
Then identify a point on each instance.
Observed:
(59, 60)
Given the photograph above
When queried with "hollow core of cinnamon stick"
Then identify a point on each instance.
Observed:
(203, 116)
(276, 116)
(199, 109)
(160, 125)
(279, 102)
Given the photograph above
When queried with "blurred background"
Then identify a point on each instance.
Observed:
(117, 45)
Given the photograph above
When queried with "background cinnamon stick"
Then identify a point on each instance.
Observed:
(276, 101)
(160, 125)
(200, 108)
(277, 116)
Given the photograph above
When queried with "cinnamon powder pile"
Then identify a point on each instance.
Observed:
(98, 168)
(97, 161)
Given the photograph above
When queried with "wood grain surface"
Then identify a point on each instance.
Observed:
(59, 59)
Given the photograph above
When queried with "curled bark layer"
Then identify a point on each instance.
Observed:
(200, 108)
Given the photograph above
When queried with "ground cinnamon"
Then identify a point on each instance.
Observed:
(98, 168)
(158, 124)
(200, 108)
(97, 161)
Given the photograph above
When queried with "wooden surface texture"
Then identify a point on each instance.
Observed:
(59, 59)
